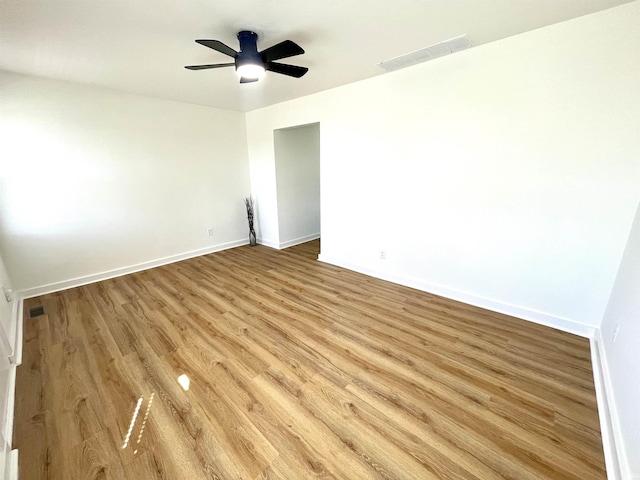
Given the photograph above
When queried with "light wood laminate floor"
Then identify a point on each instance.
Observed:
(297, 370)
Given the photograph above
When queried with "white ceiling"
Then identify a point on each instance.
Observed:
(141, 46)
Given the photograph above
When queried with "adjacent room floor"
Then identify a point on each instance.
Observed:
(254, 363)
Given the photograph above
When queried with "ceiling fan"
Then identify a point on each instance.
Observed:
(251, 64)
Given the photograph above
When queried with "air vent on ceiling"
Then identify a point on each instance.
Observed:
(436, 50)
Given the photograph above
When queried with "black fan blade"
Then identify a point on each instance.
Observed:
(281, 50)
(219, 46)
(203, 67)
(283, 68)
(247, 80)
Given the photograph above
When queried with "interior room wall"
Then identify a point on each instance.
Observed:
(297, 159)
(505, 175)
(95, 181)
(620, 337)
(263, 187)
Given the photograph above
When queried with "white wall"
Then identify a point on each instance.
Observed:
(505, 175)
(622, 357)
(297, 159)
(263, 186)
(94, 180)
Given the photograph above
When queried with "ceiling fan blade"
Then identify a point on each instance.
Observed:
(281, 50)
(283, 68)
(219, 46)
(203, 67)
(247, 80)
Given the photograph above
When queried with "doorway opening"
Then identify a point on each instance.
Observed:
(297, 161)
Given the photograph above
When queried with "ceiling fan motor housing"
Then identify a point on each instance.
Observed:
(248, 53)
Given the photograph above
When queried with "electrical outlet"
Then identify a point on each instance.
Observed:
(210, 232)
(616, 331)
(382, 255)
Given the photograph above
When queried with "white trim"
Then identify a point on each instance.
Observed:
(12, 465)
(18, 318)
(98, 277)
(600, 372)
(611, 422)
(268, 243)
(288, 243)
(11, 405)
(298, 241)
(542, 318)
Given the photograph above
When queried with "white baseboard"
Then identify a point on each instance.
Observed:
(298, 241)
(564, 324)
(268, 243)
(288, 243)
(12, 465)
(98, 277)
(11, 405)
(612, 440)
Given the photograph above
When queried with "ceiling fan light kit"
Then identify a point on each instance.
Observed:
(251, 64)
(250, 71)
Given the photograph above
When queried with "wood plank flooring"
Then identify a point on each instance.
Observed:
(297, 370)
